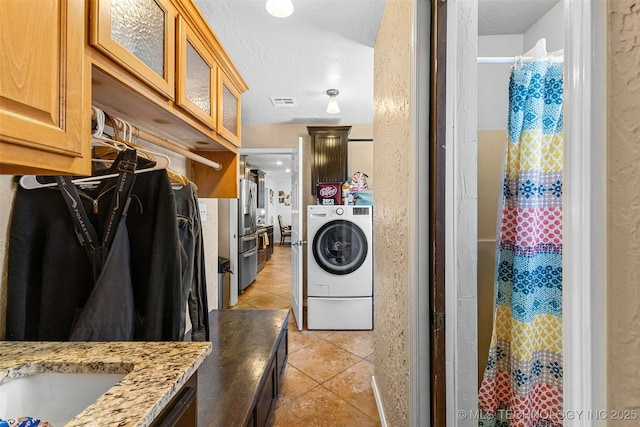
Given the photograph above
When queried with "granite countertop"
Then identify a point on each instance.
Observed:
(155, 373)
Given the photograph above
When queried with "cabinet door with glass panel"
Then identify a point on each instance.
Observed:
(229, 109)
(140, 36)
(196, 76)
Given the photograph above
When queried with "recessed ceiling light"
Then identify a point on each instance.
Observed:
(278, 163)
(280, 8)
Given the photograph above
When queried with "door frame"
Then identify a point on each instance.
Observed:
(585, 240)
(257, 151)
(584, 263)
(298, 215)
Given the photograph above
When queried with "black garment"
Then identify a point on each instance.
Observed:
(108, 314)
(49, 276)
(194, 283)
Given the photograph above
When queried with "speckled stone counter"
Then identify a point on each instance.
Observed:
(229, 380)
(155, 373)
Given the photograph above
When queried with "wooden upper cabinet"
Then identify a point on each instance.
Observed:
(330, 150)
(139, 35)
(229, 109)
(196, 75)
(44, 104)
(168, 47)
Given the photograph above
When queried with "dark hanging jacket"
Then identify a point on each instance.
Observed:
(194, 283)
(50, 278)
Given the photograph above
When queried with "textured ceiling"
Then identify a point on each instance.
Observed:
(324, 44)
(510, 16)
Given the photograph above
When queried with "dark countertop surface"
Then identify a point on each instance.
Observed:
(244, 342)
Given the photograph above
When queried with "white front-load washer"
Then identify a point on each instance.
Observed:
(339, 267)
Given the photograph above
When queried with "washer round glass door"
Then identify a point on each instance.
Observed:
(340, 247)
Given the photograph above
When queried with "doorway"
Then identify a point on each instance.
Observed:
(584, 323)
(492, 108)
(276, 166)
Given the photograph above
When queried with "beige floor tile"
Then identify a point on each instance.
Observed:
(270, 302)
(295, 384)
(243, 305)
(322, 334)
(354, 386)
(340, 360)
(292, 318)
(359, 343)
(322, 360)
(281, 288)
(320, 408)
(252, 292)
(300, 339)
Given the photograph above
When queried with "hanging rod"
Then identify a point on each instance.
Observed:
(516, 59)
(169, 145)
(155, 139)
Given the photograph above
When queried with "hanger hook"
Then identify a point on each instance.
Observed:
(100, 121)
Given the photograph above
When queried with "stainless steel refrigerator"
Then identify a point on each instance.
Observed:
(247, 237)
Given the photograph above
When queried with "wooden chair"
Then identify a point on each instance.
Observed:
(285, 230)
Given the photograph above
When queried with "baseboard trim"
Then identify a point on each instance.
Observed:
(383, 420)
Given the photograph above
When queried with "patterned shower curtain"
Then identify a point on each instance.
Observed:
(522, 384)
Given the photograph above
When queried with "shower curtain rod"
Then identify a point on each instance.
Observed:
(514, 59)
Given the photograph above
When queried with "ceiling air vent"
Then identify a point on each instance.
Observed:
(283, 101)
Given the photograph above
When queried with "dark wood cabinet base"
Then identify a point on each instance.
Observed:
(182, 411)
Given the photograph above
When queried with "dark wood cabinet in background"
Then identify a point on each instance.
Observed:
(260, 182)
(329, 147)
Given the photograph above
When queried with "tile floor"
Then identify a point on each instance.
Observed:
(327, 381)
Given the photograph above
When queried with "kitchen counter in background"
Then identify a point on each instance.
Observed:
(265, 244)
(155, 372)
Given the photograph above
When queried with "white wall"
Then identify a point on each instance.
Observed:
(550, 27)
(281, 208)
(361, 160)
(493, 80)
(270, 203)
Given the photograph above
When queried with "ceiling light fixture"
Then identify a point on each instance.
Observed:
(280, 8)
(333, 107)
